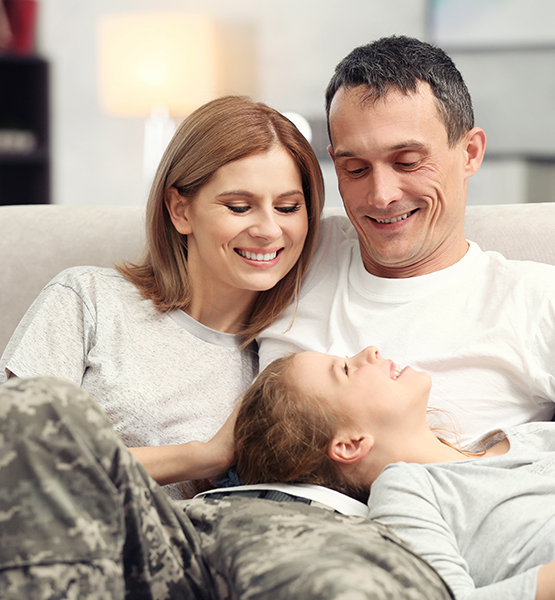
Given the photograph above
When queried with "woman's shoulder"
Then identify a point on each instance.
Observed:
(83, 277)
(93, 285)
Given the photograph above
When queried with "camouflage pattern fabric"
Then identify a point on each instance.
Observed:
(81, 519)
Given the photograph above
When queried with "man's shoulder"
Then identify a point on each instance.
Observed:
(535, 274)
(337, 236)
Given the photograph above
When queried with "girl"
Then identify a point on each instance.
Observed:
(360, 424)
(167, 344)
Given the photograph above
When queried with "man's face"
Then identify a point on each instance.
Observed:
(403, 186)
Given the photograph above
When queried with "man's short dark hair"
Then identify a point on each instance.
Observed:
(401, 63)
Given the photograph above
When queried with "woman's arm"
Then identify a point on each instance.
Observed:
(191, 460)
(52, 336)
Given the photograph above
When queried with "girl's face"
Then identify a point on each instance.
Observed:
(368, 387)
(247, 226)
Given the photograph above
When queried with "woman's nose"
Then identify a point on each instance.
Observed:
(266, 227)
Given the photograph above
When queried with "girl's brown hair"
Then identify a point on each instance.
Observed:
(217, 133)
(282, 435)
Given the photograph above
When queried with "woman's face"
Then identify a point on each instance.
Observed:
(368, 387)
(247, 226)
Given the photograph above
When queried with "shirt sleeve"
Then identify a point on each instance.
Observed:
(402, 498)
(53, 337)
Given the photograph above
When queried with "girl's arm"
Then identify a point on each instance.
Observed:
(191, 460)
(403, 499)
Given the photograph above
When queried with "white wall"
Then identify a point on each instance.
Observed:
(98, 159)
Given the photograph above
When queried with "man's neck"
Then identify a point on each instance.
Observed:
(440, 259)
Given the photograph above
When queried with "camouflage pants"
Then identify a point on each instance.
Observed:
(81, 519)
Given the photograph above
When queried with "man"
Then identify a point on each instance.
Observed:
(404, 145)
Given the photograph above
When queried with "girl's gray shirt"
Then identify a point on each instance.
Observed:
(485, 524)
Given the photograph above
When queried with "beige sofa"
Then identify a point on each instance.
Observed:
(37, 242)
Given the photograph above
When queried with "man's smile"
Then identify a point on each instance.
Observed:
(395, 219)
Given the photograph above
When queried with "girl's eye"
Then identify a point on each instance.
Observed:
(238, 209)
(346, 368)
(289, 209)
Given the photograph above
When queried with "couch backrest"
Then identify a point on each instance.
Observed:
(37, 242)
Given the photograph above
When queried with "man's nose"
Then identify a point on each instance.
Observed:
(385, 186)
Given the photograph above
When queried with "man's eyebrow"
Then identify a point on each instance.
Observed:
(410, 144)
(407, 145)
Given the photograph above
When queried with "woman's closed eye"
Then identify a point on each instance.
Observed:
(292, 208)
(234, 208)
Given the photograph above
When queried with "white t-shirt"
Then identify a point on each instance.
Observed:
(163, 378)
(483, 328)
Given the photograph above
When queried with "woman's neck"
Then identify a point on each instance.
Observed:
(225, 314)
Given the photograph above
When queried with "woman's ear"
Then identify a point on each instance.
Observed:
(347, 449)
(178, 208)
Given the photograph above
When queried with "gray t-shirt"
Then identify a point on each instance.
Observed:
(486, 524)
(163, 378)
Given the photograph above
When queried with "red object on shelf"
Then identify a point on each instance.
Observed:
(22, 16)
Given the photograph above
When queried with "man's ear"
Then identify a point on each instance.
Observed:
(178, 208)
(475, 141)
(330, 152)
(347, 449)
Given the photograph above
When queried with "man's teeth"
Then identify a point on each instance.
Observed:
(397, 371)
(394, 220)
(255, 256)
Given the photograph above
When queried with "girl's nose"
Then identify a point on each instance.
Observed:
(369, 355)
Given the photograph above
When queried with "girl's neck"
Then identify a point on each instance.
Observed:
(422, 448)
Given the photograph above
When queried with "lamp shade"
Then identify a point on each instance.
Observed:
(150, 59)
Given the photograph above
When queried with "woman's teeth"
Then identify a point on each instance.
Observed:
(254, 256)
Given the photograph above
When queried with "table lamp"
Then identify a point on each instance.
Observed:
(157, 65)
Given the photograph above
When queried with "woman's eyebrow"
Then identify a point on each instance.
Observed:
(247, 194)
(236, 193)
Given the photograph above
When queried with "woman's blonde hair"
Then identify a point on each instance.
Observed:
(218, 133)
(282, 435)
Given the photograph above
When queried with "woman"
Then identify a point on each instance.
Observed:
(167, 344)
(360, 424)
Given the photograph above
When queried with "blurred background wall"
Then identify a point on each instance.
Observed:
(504, 48)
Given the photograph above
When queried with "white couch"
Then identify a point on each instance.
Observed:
(37, 242)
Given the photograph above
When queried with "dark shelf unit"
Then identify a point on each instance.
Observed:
(24, 111)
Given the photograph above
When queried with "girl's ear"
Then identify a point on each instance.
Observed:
(347, 449)
(177, 207)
